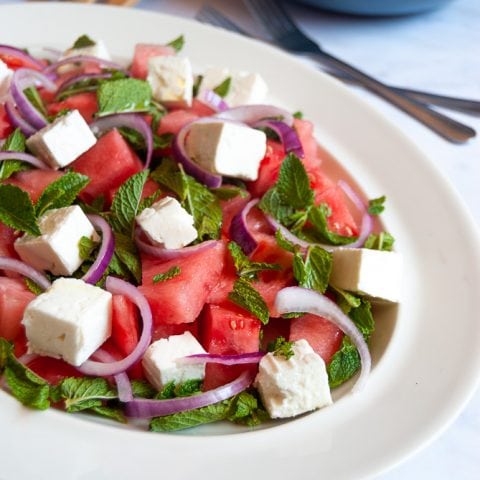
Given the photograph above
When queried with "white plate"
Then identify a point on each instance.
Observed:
(426, 364)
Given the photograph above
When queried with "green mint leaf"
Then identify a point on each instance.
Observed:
(112, 413)
(346, 300)
(273, 205)
(86, 246)
(227, 193)
(382, 241)
(17, 211)
(285, 244)
(246, 409)
(313, 272)
(223, 89)
(82, 42)
(163, 277)
(178, 43)
(245, 296)
(143, 389)
(318, 216)
(32, 286)
(196, 85)
(363, 318)
(125, 203)
(15, 142)
(377, 205)
(6, 350)
(244, 267)
(280, 347)
(344, 363)
(61, 193)
(126, 259)
(168, 175)
(298, 114)
(148, 201)
(188, 388)
(36, 100)
(191, 418)
(168, 391)
(293, 185)
(124, 95)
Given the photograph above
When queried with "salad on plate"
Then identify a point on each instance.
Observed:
(171, 247)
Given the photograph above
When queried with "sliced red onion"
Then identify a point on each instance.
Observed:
(79, 78)
(21, 55)
(13, 265)
(213, 100)
(239, 231)
(366, 226)
(117, 286)
(16, 119)
(204, 176)
(21, 79)
(288, 235)
(24, 157)
(130, 120)
(297, 299)
(241, 359)
(83, 59)
(26, 358)
(251, 114)
(288, 136)
(105, 254)
(169, 254)
(124, 387)
(145, 408)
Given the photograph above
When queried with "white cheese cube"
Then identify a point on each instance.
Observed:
(374, 273)
(227, 148)
(71, 320)
(99, 50)
(57, 250)
(245, 88)
(5, 78)
(294, 386)
(63, 141)
(160, 365)
(171, 79)
(166, 223)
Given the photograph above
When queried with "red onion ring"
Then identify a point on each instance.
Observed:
(366, 226)
(124, 387)
(117, 286)
(241, 359)
(96, 271)
(13, 265)
(21, 79)
(80, 78)
(131, 120)
(16, 120)
(24, 157)
(83, 59)
(239, 231)
(204, 176)
(213, 100)
(288, 136)
(297, 299)
(166, 254)
(251, 114)
(146, 408)
(20, 54)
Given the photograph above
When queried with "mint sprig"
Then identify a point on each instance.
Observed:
(381, 241)
(177, 44)
(377, 205)
(247, 297)
(223, 88)
(15, 142)
(281, 348)
(82, 42)
(168, 275)
(245, 268)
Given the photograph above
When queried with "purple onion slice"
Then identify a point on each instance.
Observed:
(20, 54)
(13, 265)
(251, 114)
(240, 359)
(288, 136)
(239, 231)
(83, 59)
(16, 119)
(213, 100)
(24, 157)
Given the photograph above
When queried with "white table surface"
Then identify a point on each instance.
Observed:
(436, 51)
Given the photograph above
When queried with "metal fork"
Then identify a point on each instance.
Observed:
(212, 16)
(276, 20)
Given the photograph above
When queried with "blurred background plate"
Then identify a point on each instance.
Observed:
(376, 7)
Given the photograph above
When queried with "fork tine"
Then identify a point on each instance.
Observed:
(208, 14)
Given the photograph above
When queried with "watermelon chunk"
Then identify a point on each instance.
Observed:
(174, 121)
(143, 53)
(6, 127)
(164, 330)
(85, 103)
(7, 238)
(228, 330)
(181, 299)
(34, 182)
(108, 164)
(322, 335)
(53, 370)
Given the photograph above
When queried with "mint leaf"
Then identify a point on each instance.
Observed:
(61, 193)
(227, 193)
(245, 268)
(376, 206)
(223, 89)
(188, 388)
(125, 203)
(313, 272)
(318, 216)
(245, 296)
(273, 205)
(33, 287)
(168, 391)
(148, 201)
(177, 44)
(6, 349)
(285, 244)
(126, 253)
(82, 42)
(143, 389)
(168, 175)
(246, 409)
(382, 241)
(346, 300)
(15, 142)
(196, 85)
(363, 318)
(280, 347)
(84, 393)
(17, 211)
(35, 99)
(163, 277)
(293, 185)
(298, 114)
(113, 413)
(86, 246)
(124, 95)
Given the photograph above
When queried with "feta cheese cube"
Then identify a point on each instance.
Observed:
(166, 223)
(5, 78)
(245, 88)
(375, 273)
(99, 50)
(159, 362)
(70, 320)
(56, 249)
(227, 148)
(171, 79)
(63, 141)
(294, 386)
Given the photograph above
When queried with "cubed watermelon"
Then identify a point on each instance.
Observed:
(53, 370)
(85, 103)
(143, 53)
(34, 182)
(174, 121)
(181, 299)
(6, 127)
(165, 330)
(7, 237)
(108, 164)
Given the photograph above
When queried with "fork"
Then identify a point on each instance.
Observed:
(212, 16)
(276, 20)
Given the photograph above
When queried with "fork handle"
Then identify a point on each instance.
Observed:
(448, 128)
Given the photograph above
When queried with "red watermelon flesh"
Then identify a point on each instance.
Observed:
(85, 103)
(6, 127)
(34, 182)
(174, 121)
(143, 53)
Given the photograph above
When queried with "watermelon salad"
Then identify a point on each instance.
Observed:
(171, 246)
